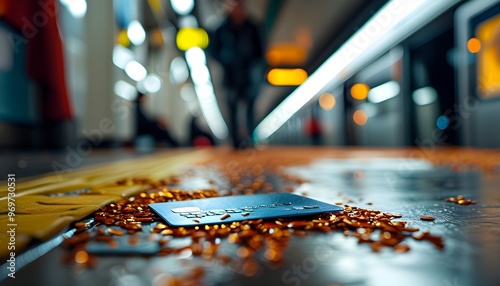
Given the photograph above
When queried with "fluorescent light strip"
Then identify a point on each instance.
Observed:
(204, 89)
(395, 21)
(425, 95)
(384, 92)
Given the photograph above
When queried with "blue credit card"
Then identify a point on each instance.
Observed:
(238, 208)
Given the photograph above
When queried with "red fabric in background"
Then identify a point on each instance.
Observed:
(37, 22)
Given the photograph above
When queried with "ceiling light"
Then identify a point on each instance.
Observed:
(384, 92)
(286, 77)
(425, 95)
(390, 25)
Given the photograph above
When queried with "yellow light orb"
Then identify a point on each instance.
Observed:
(360, 91)
(473, 45)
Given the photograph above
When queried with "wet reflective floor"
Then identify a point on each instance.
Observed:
(375, 179)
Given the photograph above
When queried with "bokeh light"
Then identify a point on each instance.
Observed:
(360, 91)
(327, 101)
(473, 45)
(81, 257)
(359, 117)
(442, 122)
(136, 33)
(286, 55)
(125, 90)
(182, 7)
(123, 39)
(384, 92)
(188, 38)
(151, 84)
(122, 56)
(195, 57)
(425, 95)
(286, 77)
(136, 71)
(77, 8)
(179, 72)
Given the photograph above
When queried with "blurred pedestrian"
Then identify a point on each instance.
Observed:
(237, 46)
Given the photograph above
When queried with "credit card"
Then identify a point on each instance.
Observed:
(238, 208)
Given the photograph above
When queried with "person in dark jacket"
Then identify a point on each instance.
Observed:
(237, 46)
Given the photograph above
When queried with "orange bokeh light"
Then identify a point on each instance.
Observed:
(360, 91)
(488, 67)
(359, 117)
(286, 77)
(327, 101)
(286, 55)
(473, 45)
(81, 257)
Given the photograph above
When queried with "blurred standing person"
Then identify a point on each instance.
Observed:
(237, 46)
